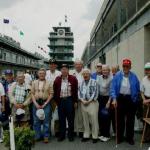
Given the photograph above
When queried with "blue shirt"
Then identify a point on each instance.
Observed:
(134, 86)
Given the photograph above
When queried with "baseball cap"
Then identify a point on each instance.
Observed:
(126, 62)
(40, 114)
(8, 71)
(147, 65)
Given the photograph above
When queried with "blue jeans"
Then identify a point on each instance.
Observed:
(46, 123)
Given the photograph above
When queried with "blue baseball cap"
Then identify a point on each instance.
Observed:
(8, 71)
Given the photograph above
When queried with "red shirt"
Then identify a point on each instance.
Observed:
(57, 88)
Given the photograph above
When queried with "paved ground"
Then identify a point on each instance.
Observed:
(78, 145)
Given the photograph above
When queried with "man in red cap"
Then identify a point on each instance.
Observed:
(125, 91)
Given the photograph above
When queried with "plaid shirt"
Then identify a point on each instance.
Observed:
(88, 91)
(65, 88)
(20, 93)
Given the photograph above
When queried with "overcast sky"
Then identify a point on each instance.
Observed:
(37, 17)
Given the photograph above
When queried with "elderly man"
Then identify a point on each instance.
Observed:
(51, 75)
(125, 91)
(145, 93)
(9, 80)
(20, 96)
(78, 123)
(98, 71)
(2, 110)
(104, 82)
(88, 94)
(42, 93)
(66, 96)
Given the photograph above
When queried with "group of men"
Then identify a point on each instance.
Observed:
(87, 103)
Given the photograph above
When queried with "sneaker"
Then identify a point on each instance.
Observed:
(1, 140)
(46, 140)
(105, 139)
(113, 135)
(85, 139)
(95, 141)
(101, 137)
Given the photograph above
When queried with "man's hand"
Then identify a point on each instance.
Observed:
(75, 105)
(146, 102)
(38, 106)
(85, 102)
(108, 105)
(114, 103)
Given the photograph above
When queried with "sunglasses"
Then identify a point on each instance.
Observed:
(126, 66)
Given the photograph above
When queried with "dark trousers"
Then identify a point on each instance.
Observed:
(126, 110)
(66, 111)
(112, 119)
(104, 120)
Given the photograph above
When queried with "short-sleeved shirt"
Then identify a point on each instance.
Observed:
(145, 86)
(2, 93)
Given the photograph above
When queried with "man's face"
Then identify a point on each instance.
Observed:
(86, 75)
(105, 71)
(9, 77)
(65, 71)
(114, 70)
(78, 67)
(53, 67)
(99, 69)
(126, 68)
(41, 75)
(147, 72)
(20, 79)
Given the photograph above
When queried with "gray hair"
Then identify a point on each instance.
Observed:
(20, 73)
(78, 61)
(42, 69)
(86, 70)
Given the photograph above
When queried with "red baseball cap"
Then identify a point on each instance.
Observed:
(127, 62)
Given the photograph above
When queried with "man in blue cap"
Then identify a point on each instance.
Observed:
(9, 79)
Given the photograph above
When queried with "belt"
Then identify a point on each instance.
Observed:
(65, 98)
(125, 95)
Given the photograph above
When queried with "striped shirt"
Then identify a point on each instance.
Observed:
(88, 90)
(65, 88)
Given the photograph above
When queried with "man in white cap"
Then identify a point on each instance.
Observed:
(145, 93)
(98, 71)
(78, 122)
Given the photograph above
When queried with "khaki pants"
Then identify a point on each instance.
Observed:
(90, 117)
(78, 122)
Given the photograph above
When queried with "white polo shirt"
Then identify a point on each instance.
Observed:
(145, 86)
(51, 76)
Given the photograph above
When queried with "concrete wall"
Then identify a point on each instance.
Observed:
(132, 47)
(147, 44)
(93, 64)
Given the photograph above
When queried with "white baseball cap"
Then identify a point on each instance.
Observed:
(20, 111)
(147, 65)
(40, 114)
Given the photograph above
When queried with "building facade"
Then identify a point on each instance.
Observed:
(61, 45)
(121, 30)
(12, 56)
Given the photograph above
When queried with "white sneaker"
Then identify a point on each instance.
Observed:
(105, 139)
(1, 140)
(113, 135)
(100, 137)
